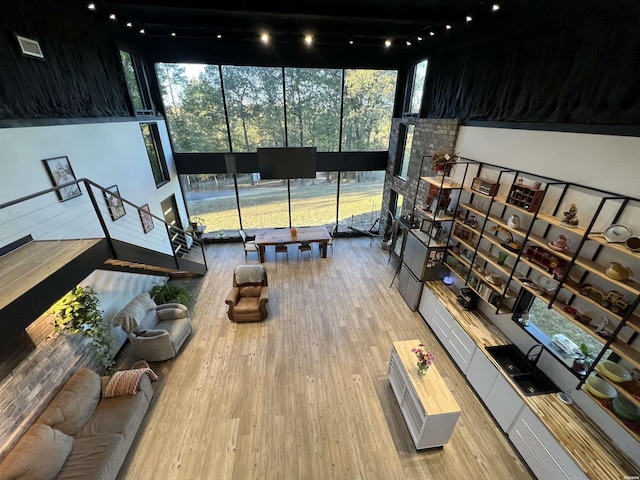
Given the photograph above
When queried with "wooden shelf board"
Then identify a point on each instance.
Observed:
(435, 218)
(619, 247)
(593, 267)
(575, 289)
(612, 414)
(504, 201)
(626, 352)
(442, 182)
(544, 243)
(578, 230)
(630, 389)
(474, 209)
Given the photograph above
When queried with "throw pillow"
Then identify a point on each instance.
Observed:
(170, 313)
(126, 382)
(40, 453)
(75, 403)
(131, 315)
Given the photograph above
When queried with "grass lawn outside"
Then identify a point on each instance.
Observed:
(264, 205)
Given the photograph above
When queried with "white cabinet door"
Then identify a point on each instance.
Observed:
(461, 346)
(428, 302)
(542, 452)
(503, 402)
(440, 324)
(481, 373)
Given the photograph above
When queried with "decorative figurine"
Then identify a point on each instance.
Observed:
(571, 217)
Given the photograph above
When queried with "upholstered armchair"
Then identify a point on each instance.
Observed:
(156, 332)
(249, 296)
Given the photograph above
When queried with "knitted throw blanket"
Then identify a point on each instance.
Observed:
(249, 274)
(126, 382)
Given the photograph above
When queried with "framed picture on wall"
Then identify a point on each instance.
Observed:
(60, 173)
(146, 218)
(114, 204)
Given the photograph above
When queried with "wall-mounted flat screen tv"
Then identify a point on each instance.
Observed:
(287, 162)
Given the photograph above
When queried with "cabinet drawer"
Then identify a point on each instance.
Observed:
(481, 374)
(503, 402)
(396, 377)
(542, 452)
(461, 347)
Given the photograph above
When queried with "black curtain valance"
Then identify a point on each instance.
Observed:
(579, 68)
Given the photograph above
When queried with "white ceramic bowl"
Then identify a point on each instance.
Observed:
(613, 371)
(599, 387)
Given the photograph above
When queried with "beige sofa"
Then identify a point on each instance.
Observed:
(80, 435)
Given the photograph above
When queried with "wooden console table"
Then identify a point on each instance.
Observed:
(427, 405)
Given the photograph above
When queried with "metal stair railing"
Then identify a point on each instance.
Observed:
(44, 216)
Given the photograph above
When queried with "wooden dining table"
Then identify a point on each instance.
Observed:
(272, 236)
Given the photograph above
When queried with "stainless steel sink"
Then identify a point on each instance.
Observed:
(525, 375)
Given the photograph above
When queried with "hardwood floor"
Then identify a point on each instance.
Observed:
(304, 394)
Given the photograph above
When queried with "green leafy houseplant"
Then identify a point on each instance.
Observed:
(78, 312)
(171, 293)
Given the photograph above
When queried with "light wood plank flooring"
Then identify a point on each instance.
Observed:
(304, 395)
(32, 263)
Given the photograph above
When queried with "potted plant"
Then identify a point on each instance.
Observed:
(439, 161)
(583, 360)
(78, 312)
(197, 226)
(171, 293)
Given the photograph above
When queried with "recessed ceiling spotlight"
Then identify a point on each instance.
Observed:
(419, 39)
(173, 34)
(448, 27)
(112, 16)
(142, 31)
(408, 43)
(91, 6)
(264, 38)
(432, 34)
(219, 35)
(495, 7)
(129, 24)
(350, 42)
(469, 18)
(387, 43)
(308, 39)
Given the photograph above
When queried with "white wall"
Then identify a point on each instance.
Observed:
(110, 153)
(600, 161)
(597, 161)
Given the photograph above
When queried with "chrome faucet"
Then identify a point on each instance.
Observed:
(533, 358)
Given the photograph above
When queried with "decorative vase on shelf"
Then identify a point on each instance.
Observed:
(294, 231)
(618, 272)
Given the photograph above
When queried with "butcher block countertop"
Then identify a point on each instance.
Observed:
(589, 447)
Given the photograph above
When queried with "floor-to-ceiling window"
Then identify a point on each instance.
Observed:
(256, 99)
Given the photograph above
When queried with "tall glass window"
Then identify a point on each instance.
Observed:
(255, 106)
(417, 87)
(313, 99)
(368, 108)
(402, 164)
(264, 204)
(212, 198)
(158, 163)
(360, 200)
(132, 80)
(313, 201)
(194, 107)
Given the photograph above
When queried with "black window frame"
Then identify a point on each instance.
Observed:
(409, 90)
(142, 83)
(402, 142)
(159, 152)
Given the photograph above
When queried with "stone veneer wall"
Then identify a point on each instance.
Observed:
(30, 387)
(429, 136)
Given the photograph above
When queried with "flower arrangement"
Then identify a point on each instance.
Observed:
(440, 159)
(425, 359)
